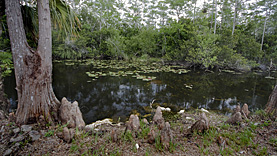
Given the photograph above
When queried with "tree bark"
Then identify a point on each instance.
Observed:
(235, 17)
(195, 1)
(265, 21)
(222, 14)
(2, 13)
(212, 15)
(33, 69)
(215, 16)
(271, 106)
(263, 34)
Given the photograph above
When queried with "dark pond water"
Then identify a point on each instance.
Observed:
(113, 97)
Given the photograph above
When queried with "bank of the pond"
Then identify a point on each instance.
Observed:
(253, 136)
(185, 64)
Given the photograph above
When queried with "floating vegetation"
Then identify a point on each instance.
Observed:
(270, 77)
(69, 64)
(228, 71)
(188, 86)
(235, 73)
(57, 61)
(147, 115)
(124, 68)
(182, 71)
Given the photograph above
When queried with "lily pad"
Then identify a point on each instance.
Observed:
(188, 86)
(228, 71)
(146, 79)
(69, 64)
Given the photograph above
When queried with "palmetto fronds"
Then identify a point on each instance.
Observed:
(62, 16)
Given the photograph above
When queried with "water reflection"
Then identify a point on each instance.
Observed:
(118, 96)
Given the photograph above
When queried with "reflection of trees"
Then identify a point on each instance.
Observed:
(4, 105)
(215, 90)
(105, 97)
(117, 96)
(9, 89)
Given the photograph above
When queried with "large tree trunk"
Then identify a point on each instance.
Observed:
(271, 106)
(33, 69)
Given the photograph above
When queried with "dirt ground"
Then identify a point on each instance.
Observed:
(254, 136)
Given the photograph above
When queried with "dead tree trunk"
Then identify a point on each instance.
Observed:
(271, 106)
(33, 69)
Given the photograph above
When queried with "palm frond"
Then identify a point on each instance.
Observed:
(64, 18)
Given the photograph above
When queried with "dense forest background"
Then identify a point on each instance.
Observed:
(239, 34)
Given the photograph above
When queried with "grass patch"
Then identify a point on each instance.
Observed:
(225, 126)
(49, 133)
(273, 141)
(263, 152)
(127, 136)
(158, 144)
(145, 129)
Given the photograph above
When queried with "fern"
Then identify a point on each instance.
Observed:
(5, 63)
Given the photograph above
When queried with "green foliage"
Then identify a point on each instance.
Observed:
(266, 123)
(64, 18)
(158, 143)
(142, 43)
(116, 153)
(225, 126)
(145, 129)
(24, 143)
(74, 148)
(49, 133)
(206, 51)
(5, 63)
(245, 137)
(115, 44)
(172, 147)
(226, 151)
(96, 137)
(127, 136)
(253, 126)
(112, 30)
(273, 141)
(263, 151)
(185, 39)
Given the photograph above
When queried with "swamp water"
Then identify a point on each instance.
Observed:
(113, 89)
